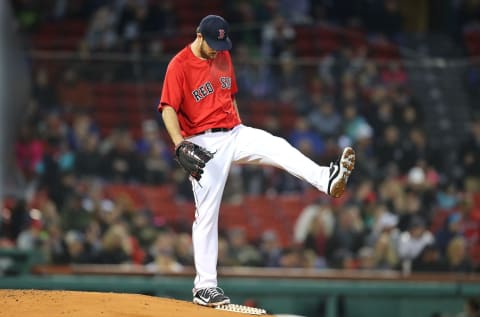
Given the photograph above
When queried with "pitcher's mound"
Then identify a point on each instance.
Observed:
(39, 303)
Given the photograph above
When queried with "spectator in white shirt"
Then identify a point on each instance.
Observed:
(412, 241)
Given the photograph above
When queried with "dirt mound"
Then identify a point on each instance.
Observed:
(40, 303)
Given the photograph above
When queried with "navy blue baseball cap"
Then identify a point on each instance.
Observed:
(214, 30)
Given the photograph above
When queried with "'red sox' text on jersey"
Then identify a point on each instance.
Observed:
(205, 100)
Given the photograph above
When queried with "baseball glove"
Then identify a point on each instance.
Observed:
(192, 158)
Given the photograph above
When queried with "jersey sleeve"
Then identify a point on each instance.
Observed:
(172, 91)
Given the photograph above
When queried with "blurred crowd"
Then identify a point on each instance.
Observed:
(407, 207)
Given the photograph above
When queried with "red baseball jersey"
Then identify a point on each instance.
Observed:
(200, 91)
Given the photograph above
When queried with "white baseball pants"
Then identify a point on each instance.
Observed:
(243, 145)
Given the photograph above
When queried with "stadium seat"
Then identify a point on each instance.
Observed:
(232, 215)
(107, 103)
(105, 89)
(384, 50)
(131, 192)
(355, 37)
(290, 207)
(472, 41)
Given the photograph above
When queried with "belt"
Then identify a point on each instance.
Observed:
(212, 130)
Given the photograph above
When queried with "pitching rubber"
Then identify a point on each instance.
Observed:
(242, 309)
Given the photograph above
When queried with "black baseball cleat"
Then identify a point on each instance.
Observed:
(340, 171)
(212, 296)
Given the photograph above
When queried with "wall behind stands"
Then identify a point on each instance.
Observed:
(306, 297)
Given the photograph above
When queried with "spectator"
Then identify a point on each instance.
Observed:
(382, 115)
(388, 151)
(161, 18)
(347, 237)
(416, 150)
(270, 249)
(324, 118)
(277, 37)
(156, 156)
(429, 260)
(297, 12)
(409, 119)
(150, 135)
(368, 76)
(317, 215)
(28, 151)
(366, 259)
(225, 256)
(233, 191)
(288, 82)
(419, 194)
(161, 256)
(457, 256)
(55, 170)
(452, 228)
(77, 248)
(81, 127)
(295, 258)
(470, 156)
(121, 163)
(243, 13)
(364, 146)
(56, 247)
(31, 237)
(349, 94)
(241, 250)
(88, 160)
(317, 236)
(116, 246)
(303, 133)
(267, 10)
(385, 247)
(44, 91)
(253, 77)
(134, 20)
(382, 221)
(413, 241)
(255, 180)
(354, 124)
(101, 35)
(447, 196)
(74, 216)
(155, 165)
(184, 249)
(92, 242)
(143, 229)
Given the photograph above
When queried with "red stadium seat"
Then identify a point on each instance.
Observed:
(472, 41)
(355, 37)
(384, 51)
(290, 206)
(130, 192)
(105, 89)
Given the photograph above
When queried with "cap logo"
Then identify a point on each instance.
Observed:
(221, 34)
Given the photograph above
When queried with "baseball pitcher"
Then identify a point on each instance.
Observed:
(201, 116)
